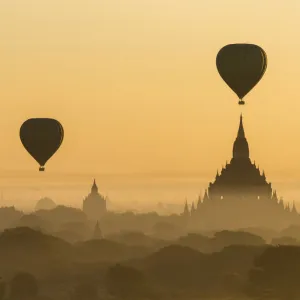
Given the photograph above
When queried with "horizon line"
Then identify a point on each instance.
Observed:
(207, 175)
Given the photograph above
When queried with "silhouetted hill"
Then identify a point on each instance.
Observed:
(62, 214)
(219, 241)
(68, 236)
(196, 241)
(80, 228)
(175, 267)
(179, 268)
(173, 272)
(235, 258)
(175, 254)
(169, 227)
(9, 216)
(266, 233)
(277, 271)
(24, 249)
(106, 250)
(167, 230)
(291, 231)
(285, 240)
(35, 222)
(136, 238)
(226, 238)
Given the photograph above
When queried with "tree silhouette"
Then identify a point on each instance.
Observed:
(85, 291)
(277, 273)
(23, 286)
(2, 289)
(124, 282)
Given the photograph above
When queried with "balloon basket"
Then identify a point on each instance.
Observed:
(241, 102)
(42, 169)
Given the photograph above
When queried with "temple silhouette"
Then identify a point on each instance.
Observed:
(240, 196)
(94, 205)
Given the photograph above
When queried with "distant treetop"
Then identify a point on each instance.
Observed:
(45, 203)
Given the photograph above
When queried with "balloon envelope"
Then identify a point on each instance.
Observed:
(41, 137)
(241, 66)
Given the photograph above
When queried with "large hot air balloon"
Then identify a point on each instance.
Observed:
(41, 137)
(241, 66)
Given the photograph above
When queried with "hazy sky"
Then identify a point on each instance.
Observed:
(135, 84)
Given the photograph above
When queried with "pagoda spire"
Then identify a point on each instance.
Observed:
(193, 209)
(287, 208)
(199, 202)
(274, 196)
(281, 203)
(94, 187)
(294, 210)
(186, 209)
(205, 198)
(241, 132)
(240, 146)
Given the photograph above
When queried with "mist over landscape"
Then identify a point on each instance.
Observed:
(142, 192)
(149, 150)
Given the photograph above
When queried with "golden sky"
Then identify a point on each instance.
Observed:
(135, 84)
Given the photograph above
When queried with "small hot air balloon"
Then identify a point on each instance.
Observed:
(41, 137)
(241, 66)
